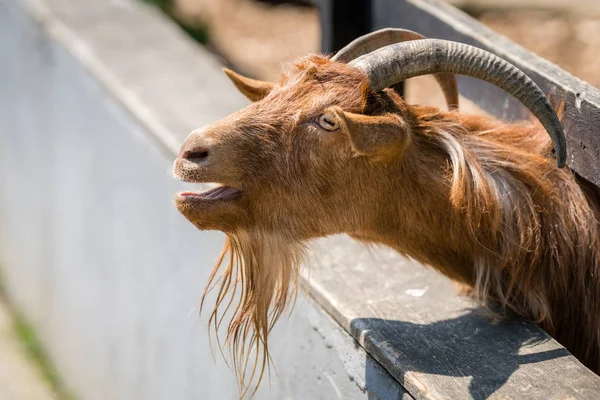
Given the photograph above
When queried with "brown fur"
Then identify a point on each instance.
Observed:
(480, 200)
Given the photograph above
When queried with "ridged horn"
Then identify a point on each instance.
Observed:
(384, 37)
(397, 62)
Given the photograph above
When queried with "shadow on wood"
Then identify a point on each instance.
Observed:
(461, 347)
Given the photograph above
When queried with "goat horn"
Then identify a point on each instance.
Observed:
(383, 37)
(397, 62)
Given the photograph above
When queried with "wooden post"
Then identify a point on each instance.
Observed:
(342, 21)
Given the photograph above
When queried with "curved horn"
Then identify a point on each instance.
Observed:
(397, 62)
(383, 37)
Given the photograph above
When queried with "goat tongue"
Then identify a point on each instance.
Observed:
(221, 192)
(213, 193)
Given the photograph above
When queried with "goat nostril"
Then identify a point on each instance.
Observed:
(196, 154)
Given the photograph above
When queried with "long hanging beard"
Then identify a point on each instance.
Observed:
(266, 268)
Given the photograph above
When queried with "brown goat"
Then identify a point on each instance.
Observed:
(322, 152)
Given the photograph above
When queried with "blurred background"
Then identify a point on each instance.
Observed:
(66, 333)
(257, 35)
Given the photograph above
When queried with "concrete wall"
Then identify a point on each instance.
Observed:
(98, 258)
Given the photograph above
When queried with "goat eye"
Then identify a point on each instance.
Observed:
(327, 123)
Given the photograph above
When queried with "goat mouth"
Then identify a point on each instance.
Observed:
(220, 193)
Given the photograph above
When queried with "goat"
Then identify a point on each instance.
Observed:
(330, 149)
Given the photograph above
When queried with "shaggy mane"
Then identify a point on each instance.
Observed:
(534, 232)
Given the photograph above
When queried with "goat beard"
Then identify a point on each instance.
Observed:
(266, 268)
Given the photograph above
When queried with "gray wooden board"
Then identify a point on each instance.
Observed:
(436, 19)
(169, 83)
(360, 367)
(438, 345)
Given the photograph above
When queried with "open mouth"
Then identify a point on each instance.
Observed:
(220, 193)
(190, 172)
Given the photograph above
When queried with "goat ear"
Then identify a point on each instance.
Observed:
(253, 89)
(381, 137)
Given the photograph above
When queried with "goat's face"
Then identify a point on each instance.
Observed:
(288, 161)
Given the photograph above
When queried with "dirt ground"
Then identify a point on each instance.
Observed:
(257, 37)
(570, 41)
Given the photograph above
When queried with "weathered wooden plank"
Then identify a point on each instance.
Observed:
(439, 345)
(435, 18)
